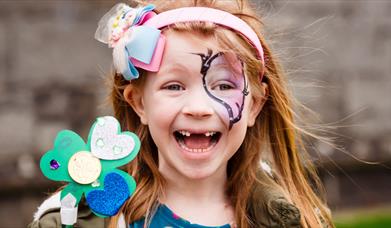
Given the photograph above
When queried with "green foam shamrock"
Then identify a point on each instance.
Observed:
(91, 169)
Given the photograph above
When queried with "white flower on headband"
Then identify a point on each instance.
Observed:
(115, 23)
(122, 29)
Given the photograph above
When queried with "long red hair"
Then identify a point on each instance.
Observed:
(275, 131)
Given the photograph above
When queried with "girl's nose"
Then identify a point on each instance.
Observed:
(198, 104)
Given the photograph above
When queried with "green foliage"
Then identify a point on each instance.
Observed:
(361, 220)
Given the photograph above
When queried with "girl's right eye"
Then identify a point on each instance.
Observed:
(176, 87)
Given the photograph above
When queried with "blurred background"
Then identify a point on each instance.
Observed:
(337, 54)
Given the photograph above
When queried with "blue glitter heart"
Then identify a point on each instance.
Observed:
(108, 201)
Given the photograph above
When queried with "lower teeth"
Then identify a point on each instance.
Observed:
(183, 146)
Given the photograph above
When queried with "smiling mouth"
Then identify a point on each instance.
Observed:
(197, 142)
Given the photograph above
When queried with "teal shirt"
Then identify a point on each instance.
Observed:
(164, 217)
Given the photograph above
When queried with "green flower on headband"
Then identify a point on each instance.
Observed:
(91, 168)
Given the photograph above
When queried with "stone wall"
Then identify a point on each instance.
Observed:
(337, 54)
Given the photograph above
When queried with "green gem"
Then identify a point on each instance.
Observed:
(100, 143)
(117, 149)
(101, 121)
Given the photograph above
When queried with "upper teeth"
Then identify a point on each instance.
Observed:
(210, 133)
(187, 133)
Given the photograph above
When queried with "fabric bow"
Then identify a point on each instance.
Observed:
(134, 45)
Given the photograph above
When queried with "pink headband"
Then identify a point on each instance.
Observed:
(143, 43)
(219, 17)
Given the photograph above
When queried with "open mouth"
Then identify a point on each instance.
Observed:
(197, 142)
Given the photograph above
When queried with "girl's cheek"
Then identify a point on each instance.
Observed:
(229, 108)
(222, 112)
(165, 108)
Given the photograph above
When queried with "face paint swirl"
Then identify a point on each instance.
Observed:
(224, 81)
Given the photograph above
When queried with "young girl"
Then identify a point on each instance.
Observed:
(207, 98)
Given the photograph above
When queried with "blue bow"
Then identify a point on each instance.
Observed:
(141, 47)
(142, 44)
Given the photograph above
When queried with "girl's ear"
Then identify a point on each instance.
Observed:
(134, 98)
(256, 105)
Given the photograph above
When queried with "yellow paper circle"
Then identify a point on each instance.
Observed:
(84, 168)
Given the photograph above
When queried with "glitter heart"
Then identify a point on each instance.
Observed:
(108, 201)
(107, 140)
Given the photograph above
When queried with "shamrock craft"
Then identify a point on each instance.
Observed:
(91, 168)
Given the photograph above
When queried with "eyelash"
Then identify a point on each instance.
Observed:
(227, 87)
(220, 86)
(225, 84)
(174, 86)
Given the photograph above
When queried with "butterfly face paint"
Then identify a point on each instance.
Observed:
(224, 81)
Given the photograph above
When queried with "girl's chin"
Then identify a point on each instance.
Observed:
(200, 173)
(201, 166)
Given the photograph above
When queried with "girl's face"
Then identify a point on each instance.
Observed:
(197, 107)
